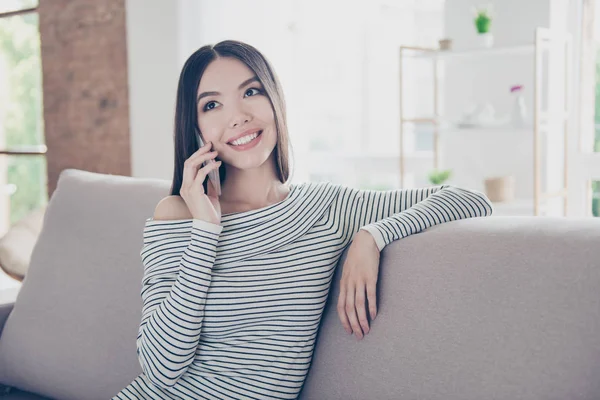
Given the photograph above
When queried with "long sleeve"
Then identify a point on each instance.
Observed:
(178, 256)
(394, 214)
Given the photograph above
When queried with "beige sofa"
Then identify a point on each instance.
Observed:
(484, 308)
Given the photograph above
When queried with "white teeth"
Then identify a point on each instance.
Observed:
(245, 139)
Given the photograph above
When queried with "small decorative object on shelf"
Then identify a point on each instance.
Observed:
(445, 44)
(481, 115)
(518, 116)
(483, 20)
(437, 177)
(500, 189)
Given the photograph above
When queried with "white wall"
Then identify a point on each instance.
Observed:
(153, 63)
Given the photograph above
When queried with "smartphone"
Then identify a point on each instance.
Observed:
(213, 175)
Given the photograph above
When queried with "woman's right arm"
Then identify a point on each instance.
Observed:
(178, 255)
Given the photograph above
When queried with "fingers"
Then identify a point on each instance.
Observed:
(341, 308)
(211, 191)
(361, 307)
(352, 307)
(191, 160)
(207, 147)
(191, 166)
(372, 298)
(351, 310)
(201, 151)
(203, 172)
(198, 159)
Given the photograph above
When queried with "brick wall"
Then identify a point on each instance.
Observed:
(85, 95)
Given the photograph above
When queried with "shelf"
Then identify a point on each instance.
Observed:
(500, 128)
(526, 49)
(517, 207)
(318, 155)
(454, 127)
(443, 125)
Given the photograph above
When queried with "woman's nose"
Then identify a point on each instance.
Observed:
(240, 121)
(240, 117)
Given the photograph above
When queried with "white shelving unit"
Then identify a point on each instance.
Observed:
(437, 54)
(440, 126)
(350, 167)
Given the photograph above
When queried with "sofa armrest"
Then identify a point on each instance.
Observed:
(8, 297)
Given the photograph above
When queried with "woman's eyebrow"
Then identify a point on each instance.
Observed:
(246, 82)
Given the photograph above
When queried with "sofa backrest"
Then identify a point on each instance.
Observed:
(72, 332)
(482, 308)
(495, 307)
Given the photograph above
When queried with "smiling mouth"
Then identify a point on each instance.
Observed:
(243, 144)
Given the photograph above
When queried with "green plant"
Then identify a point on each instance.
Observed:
(483, 18)
(437, 177)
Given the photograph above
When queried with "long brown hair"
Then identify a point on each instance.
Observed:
(186, 112)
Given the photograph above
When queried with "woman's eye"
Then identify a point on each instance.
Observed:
(206, 106)
(257, 90)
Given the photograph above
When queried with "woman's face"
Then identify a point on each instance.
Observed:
(231, 103)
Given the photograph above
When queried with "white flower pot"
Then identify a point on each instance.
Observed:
(501, 188)
(486, 40)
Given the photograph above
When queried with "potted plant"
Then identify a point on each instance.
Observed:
(437, 177)
(483, 21)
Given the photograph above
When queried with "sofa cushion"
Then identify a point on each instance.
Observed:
(72, 332)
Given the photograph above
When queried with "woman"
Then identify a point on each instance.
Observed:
(235, 285)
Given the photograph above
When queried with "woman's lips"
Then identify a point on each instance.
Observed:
(248, 145)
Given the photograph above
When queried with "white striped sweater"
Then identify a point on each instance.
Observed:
(232, 311)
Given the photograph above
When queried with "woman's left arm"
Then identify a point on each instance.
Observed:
(374, 219)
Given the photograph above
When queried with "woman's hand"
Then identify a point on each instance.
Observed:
(359, 273)
(201, 206)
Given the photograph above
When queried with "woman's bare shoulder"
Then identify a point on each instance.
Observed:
(170, 208)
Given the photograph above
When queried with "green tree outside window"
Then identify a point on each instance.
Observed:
(21, 111)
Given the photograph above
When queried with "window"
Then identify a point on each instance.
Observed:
(596, 184)
(597, 109)
(23, 176)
